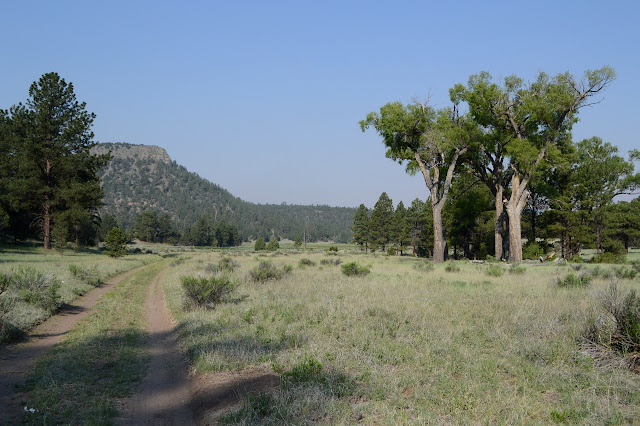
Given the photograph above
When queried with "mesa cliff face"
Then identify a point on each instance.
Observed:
(141, 177)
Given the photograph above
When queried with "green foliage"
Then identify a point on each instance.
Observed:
(607, 257)
(297, 242)
(260, 244)
(335, 262)
(572, 280)
(225, 265)
(33, 287)
(306, 262)
(533, 251)
(625, 273)
(307, 370)
(392, 251)
(360, 229)
(424, 266)
(452, 267)
(381, 222)
(207, 292)
(273, 244)
(494, 270)
(516, 269)
(353, 269)
(116, 242)
(266, 270)
(332, 249)
(89, 275)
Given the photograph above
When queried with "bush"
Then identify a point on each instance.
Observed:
(516, 269)
(533, 251)
(306, 370)
(619, 328)
(424, 266)
(260, 244)
(116, 242)
(353, 269)
(331, 261)
(333, 248)
(273, 244)
(266, 270)
(494, 271)
(207, 292)
(89, 275)
(306, 262)
(452, 267)
(35, 287)
(226, 264)
(625, 273)
(391, 251)
(573, 280)
(608, 257)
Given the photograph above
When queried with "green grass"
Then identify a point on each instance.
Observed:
(22, 316)
(403, 346)
(102, 359)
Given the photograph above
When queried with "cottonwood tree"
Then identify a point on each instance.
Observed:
(429, 141)
(524, 125)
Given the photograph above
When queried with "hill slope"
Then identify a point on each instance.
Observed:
(141, 177)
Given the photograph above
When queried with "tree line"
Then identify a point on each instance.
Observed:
(515, 141)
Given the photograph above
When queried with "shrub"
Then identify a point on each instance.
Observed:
(452, 267)
(36, 288)
(207, 292)
(306, 262)
(266, 270)
(226, 264)
(332, 248)
(306, 370)
(573, 280)
(533, 250)
(494, 271)
(625, 273)
(516, 269)
(260, 244)
(331, 261)
(273, 244)
(576, 258)
(89, 275)
(601, 272)
(353, 269)
(391, 251)
(424, 266)
(607, 257)
(619, 328)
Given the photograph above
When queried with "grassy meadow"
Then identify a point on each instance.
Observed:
(76, 273)
(411, 342)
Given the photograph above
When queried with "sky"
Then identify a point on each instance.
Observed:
(264, 97)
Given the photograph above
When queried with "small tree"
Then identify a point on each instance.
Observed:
(297, 242)
(273, 244)
(260, 244)
(116, 243)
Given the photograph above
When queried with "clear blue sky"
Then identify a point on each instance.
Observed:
(264, 97)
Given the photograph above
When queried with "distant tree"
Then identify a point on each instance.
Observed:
(381, 222)
(623, 222)
(146, 227)
(401, 227)
(273, 244)
(108, 221)
(116, 242)
(53, 170)
(260, 244)
(421, 228)
(297, 242)
(166, 232)
(360, 229)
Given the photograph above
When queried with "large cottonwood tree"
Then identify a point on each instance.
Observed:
(429, 141)
(525, 125)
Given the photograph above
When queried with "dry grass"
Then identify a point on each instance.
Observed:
(408, 345)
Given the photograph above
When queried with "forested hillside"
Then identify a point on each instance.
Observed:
(143, 177)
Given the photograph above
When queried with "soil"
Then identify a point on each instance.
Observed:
(171, 393)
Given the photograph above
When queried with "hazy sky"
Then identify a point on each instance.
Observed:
(264, 97)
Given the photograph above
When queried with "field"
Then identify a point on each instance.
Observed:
(406, 344)
(409, 343)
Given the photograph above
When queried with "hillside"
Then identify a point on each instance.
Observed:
(141, 177)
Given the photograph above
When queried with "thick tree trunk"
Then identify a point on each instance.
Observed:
(514, 206)
(499, 222)
(439, 235)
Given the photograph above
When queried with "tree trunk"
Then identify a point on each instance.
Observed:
(514, 206)
(499, 222)
(46, 208)
(439, 236)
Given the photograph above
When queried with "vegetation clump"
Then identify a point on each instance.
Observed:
(352, 269)
(207, 292)
(266, 270)
(424, 266)
(452, 267)
(88, 275)
(226, 264)
(336, 261)
(273, 244)
(516, 269)
(260, 244)
(572, 280)
(306, 262)
(617, 330)
(625, 273)
(116, 242)
(494, 271)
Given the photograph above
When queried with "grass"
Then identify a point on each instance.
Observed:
(102, 359)
(403, 346)
(76, 272)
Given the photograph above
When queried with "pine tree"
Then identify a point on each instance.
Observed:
(381, 225)
(360, 228)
